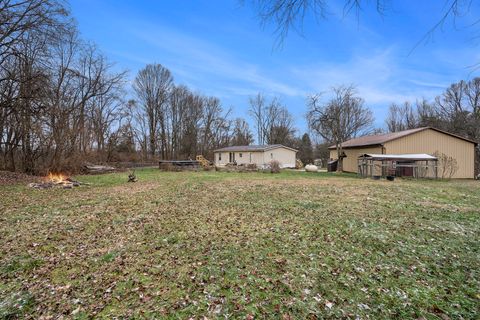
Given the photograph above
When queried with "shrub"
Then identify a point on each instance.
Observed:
(168, 167)
(447, 166)
(274, 166)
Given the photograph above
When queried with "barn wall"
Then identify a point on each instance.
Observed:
(350, 163)
(428, 141)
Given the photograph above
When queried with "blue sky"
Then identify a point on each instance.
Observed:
(219, 48)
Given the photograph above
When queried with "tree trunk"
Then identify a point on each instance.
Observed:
(340, 158)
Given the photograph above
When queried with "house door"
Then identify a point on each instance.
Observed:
(232, 157)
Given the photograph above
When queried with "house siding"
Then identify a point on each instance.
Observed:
(284, 156)
(224, 156)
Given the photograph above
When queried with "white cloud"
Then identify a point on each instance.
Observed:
(380, 76)
(196, 59)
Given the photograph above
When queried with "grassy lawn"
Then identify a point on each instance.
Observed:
(248, 246)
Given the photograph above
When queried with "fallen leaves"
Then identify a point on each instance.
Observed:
(209, 245)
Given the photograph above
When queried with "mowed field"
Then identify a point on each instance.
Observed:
(241, 245)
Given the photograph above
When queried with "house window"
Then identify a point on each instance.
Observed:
(219, 157)
(240, 155)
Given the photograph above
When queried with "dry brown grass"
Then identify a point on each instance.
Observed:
(194, 244)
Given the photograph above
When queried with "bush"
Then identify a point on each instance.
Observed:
(168, 167)
(274, 166)
(447, 165)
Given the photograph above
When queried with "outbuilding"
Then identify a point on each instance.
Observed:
(426, 140)
(260, 155)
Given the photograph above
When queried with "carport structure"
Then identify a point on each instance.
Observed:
(418, 165)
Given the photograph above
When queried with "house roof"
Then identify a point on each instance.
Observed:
(380, 139)
(253, 148)
(411, 156)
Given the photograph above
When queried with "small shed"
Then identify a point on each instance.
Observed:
(417, 165)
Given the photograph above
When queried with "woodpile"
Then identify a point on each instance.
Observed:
(98, 169)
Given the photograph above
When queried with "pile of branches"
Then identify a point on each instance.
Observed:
(68, 183)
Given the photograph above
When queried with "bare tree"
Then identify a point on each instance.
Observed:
(257, 111)
(61, 104)
(57, 93)
(241, 135)
(19, 18)
(152, 86)
(273, 122)
(447, 165)
(401, 117)
(280, 123)
(290, 14)
(341, 118)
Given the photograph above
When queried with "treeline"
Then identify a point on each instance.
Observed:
(173, 122)
(59, 96)
(62, 103)
(456, 110)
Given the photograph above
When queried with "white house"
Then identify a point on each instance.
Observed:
(261, 155)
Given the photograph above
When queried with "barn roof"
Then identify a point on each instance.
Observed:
(253, 148)
(380, 139)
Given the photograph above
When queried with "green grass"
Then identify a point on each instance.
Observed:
(240, 245)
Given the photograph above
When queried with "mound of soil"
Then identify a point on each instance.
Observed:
(11, 178)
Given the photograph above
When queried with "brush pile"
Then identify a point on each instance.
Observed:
(56, 181)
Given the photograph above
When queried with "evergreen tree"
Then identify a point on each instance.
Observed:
(305, 152)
